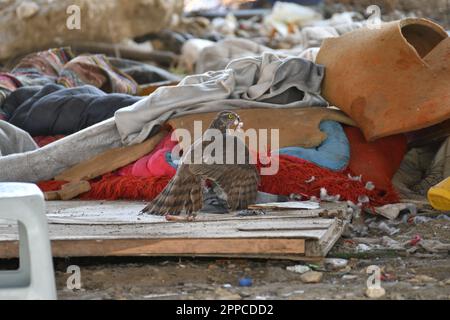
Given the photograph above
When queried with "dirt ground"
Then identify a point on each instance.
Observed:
(410, 272)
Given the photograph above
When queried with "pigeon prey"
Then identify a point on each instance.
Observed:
(234, 174)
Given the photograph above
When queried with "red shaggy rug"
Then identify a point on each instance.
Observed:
(292, 177)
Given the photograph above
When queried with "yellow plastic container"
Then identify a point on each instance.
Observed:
(439, 195)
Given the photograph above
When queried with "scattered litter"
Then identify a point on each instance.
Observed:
(422, 278)
(311, 277)
(312, 179)
(250, 212)
(382, 226)
(443, 217)
(335, 264)
(363, 199)
(370, 186)
(285, 15)
(363, 247)
(439, 195)
(315, 267)
(325, 197)
(349, 277)
(162, 295)
(298, 268)
(392, 211)
(354, 209)
(227, 286)
(391, 243)
(419, 219)
(434, 246)
(293, 293)
(227, 295)
(415, 240)
(245, 282)
(357, 178)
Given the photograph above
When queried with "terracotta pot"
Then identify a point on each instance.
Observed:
(389, 80)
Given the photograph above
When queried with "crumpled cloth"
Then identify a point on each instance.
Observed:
(97, 71)
(266, 81)
(332, 154)
(14, 140)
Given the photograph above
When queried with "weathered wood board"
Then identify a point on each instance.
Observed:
(95, 228)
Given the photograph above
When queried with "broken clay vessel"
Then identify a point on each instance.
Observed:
(390, 80)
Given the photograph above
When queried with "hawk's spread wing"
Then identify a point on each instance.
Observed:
(238, 179)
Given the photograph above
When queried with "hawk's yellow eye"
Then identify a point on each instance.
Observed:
(231, 116)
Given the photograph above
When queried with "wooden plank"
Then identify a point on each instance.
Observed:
(166, 247)
(278, 235)
(110, 160)
(126, 212)
(322, 246)
(286, 205)
(308, 229)
(68, 191)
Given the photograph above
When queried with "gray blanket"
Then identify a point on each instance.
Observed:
(265, 81)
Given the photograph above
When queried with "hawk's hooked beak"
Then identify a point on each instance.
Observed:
(238, 124)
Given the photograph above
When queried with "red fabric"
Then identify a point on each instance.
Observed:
(293, 173)
(376, 161)
(154, 164)
(114, 187)
(51, 185)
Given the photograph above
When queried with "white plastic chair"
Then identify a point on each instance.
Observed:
(35, 278)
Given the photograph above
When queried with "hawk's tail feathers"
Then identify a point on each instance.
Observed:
(180, 194)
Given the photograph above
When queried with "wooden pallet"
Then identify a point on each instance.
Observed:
(94, 228)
